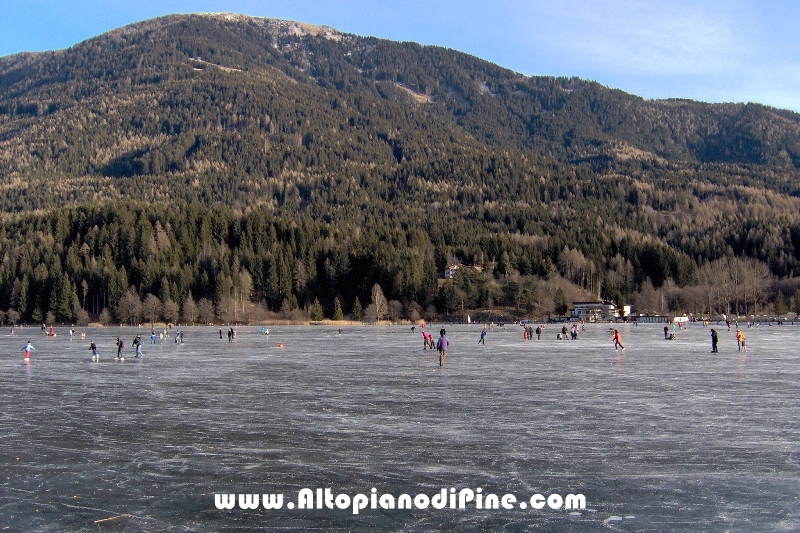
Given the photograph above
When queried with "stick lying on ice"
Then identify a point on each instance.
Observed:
(112, 518)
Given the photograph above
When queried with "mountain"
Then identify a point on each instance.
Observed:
(364, 143)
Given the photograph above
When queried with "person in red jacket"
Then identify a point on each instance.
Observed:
(617, 340)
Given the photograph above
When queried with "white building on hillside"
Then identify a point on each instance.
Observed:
(594, 311)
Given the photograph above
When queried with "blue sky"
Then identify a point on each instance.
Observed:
(709, 50)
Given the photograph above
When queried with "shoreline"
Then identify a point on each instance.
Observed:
(352, 323)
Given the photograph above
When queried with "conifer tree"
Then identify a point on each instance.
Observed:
(358, 312)
(780, 304)
(560, 301)
(315, 312)
(337, 310)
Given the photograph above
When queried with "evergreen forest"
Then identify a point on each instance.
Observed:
(224, 168)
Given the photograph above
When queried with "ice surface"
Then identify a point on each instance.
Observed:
(664, 436)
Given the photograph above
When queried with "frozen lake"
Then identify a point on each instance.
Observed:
(664, 436)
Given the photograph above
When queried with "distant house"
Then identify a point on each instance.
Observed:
(594, 311)
(450, 271)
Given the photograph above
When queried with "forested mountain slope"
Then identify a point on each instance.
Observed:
(315, 158)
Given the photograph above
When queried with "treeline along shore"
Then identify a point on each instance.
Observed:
(134, 262)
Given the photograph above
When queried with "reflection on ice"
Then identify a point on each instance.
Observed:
(662, 436)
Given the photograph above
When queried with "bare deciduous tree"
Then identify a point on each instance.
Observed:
(170, 311)
(759, 278)
(152, 307)
(572, 264)
(189, 314)
(205, 311)
(12, 316)
(105, 317)
(371, 314)
(245, 288)
(733, 284)
(709, 290)
(129, 309)
(395, 310)
(649, 300)
(380, 303)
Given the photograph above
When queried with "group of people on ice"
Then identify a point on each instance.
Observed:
(741, 341)
(428, 340)
(442, 344)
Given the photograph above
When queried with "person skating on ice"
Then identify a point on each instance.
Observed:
(28, 349)
(442, 345)
(137, 343)
(618, 340)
